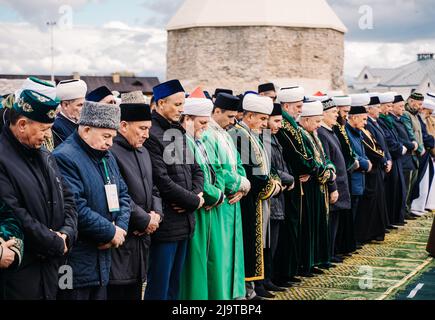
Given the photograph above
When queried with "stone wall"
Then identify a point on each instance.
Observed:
(242, 57)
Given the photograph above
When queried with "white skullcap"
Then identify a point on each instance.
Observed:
(71, 89)
(258, 104)
(342, 101)
(312, 108)
(43, 87)
(199, 107)
(431, 95)
(318, 98)
(360, 100)
(387, 97)
(429, 104)
(291, 94)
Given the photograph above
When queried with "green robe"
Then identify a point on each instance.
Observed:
(229, 277)
(10, 228)
(308, 199)
(203, 254)
(256, 202)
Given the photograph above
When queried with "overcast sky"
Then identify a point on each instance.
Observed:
(103, 36)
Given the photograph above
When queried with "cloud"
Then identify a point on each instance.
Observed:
(88, 50)
(162, 11)
(41, 11)
(381, 55)
(393, 20)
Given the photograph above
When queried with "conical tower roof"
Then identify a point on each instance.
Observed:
(281, 13)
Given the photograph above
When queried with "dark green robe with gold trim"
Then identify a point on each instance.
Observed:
(10, 228)
(257, 167)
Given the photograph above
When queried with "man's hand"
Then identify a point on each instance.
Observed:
(333, 197)
(8, 256)
(370, 166)
(357, 165)
(201, 200)
(334, 176)
(63, 236)
(423, 153)
(234, 198)
(415, 145)
(291, 187)
(389, 166)
(119, 238)
(304, 178)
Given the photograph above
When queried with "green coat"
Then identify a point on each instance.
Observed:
(229, 281)
(203, 254)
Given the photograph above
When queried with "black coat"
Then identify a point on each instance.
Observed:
(32, 186)
(277, 205)
(376, 131)
(409, 161)
(129, 262)
(332, 148)
(178, 182)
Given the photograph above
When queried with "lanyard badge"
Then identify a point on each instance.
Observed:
(111, 191)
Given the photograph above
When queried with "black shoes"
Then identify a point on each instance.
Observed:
(337, 260)
(391, 227)
(295, 280)
(260, 291)
(269, 286)
(317, 271)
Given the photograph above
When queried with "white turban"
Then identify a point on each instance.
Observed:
(258, 104)
(360, 100)
(387, 97)
(312, 108)
(429, 104)
(291, 94)
(71, 90)
(43, 87)
(342, 101)
(199, 107)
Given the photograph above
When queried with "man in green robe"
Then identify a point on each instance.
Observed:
(227, 272)
(11, 239)
(306, 198)
(256, 205)
(202, 252)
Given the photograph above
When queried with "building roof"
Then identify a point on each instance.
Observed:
(281, 13)
(9, 83)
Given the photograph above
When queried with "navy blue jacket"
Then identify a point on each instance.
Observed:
(62, 129)
(410, 161)
(358, 176)
(83, 171)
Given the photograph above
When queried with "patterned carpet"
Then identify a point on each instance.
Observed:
(378, 272)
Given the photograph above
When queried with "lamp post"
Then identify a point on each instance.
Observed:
(51, 25)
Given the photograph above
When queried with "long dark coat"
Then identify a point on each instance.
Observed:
(129, 262)
(32, 186)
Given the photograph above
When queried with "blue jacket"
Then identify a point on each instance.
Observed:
(83, 170)
(62, 129)
(358, 176)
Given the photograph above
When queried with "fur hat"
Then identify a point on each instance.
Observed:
(97, 115)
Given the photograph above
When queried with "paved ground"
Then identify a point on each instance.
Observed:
(380, 271)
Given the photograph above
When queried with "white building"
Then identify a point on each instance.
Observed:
(418, 75)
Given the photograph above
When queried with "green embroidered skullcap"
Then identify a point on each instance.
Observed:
(36, 106)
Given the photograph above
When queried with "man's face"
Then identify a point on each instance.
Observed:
(374, 111)
(172, 107)
(33, 134)
(426, 113)
(98, 138)
(136, 132)
(344, 112)
(358, 121)
(294, 109)
(330, 117)
(387, 108)
(196, 126)
(275, 124)
(225, 118)
(110, 99)
(258, 121)
(271, 94)
(73, 108)
(311, 124)
(415, 104)
(398, 108)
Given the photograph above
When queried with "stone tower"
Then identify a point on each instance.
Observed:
(240, 43)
